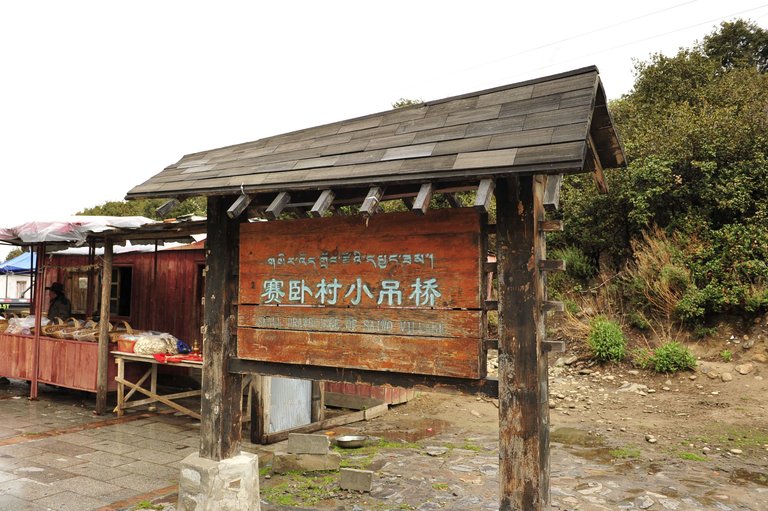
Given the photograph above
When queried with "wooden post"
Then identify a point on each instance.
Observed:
(220, 426)
(102, 371)
(262, 389)
(318, 401)
(38, 311)
(522, 387)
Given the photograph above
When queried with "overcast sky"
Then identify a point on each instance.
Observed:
(98, 96)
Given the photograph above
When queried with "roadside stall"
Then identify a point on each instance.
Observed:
(76, 352)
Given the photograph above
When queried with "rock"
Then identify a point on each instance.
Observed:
(712, 375)
(284, 462)
(585, 371)
(633, 372)
(668, 383)
(726, 377)
(760, 358)
(353, 479)
(475, 413)
(300, 443)
(746, 337)
(692, 377)
(632, 387)
(747, 345)
(665, 388)
(570, 360)
(705, 450)
(744, 368)
(650, 439)
(436, 451)
(644, 502)
(735, 451)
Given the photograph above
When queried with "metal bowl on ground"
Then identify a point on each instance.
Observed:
(351, 441)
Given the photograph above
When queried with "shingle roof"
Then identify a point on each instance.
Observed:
(537, 126)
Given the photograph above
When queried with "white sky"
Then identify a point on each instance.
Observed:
(98, 96)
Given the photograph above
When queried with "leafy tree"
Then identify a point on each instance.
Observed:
(695, 133)
(15, 252)
(147, 208)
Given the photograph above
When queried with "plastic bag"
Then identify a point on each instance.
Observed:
(151, 343)
(24, 326)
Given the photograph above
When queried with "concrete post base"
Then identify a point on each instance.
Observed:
(226, 485)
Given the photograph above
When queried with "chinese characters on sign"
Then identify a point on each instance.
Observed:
(334, 292)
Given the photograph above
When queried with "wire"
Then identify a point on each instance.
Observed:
(646, 39)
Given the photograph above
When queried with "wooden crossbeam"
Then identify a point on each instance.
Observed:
(597, 167)
(484, 194)
(553, 346)
(323, 203)
(421, 204)
(552, 192)
(552, 306)
(371, 203)
(551, 225)
(237, 207)
(453, 200)
(278, 205)
(552, 265)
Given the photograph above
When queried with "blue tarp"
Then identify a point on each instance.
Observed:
(20, 264)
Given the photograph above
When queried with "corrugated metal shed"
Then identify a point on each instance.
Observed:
(553, 125)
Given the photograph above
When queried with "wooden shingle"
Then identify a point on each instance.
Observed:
(537, 126)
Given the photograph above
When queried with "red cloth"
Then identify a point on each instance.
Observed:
(169, 359)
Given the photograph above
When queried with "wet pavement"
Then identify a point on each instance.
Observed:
(55, 454)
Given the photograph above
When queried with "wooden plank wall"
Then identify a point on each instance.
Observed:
(167, 301)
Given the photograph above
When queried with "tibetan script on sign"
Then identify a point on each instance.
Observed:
(397, 292)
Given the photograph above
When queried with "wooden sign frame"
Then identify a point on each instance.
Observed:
(395, 293)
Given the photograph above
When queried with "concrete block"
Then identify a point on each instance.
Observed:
(353, 479)
(299, 443)
(227, 485)
(284, 462)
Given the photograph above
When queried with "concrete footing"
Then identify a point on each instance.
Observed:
(227, 485)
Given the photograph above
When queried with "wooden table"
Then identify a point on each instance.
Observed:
(151, 373)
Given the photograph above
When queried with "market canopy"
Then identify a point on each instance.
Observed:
(23, 263)
(553, 125)
(74, 229)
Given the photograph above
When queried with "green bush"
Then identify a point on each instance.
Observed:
(606, 340)
(726, 355)
(671, 357)
(641, 358)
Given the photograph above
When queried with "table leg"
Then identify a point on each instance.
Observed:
(120, 386)
(153, 387)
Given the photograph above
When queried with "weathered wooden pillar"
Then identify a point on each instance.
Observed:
(522, 387)
(220, 426)
(101, 368)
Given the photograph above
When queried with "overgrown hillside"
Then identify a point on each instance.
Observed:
(683, 234)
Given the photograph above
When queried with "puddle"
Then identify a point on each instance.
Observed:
(411, 431)
(742, 476)
(575, 437)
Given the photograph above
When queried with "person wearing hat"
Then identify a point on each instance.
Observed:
(60, 307)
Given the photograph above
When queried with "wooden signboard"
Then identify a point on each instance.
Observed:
(395, 292)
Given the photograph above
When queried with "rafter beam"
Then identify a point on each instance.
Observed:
(237, 207)
(323, 203)
(552, 192)
(484, 194)
(421, 204)
(278, 205)
(597, 167)
(371, 203)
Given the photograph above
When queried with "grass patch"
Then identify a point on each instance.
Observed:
(691, 456)
(145, 504)
(301, 489)
(625, 453)
(440, 486)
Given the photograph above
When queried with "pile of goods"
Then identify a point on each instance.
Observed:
(128, 340)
